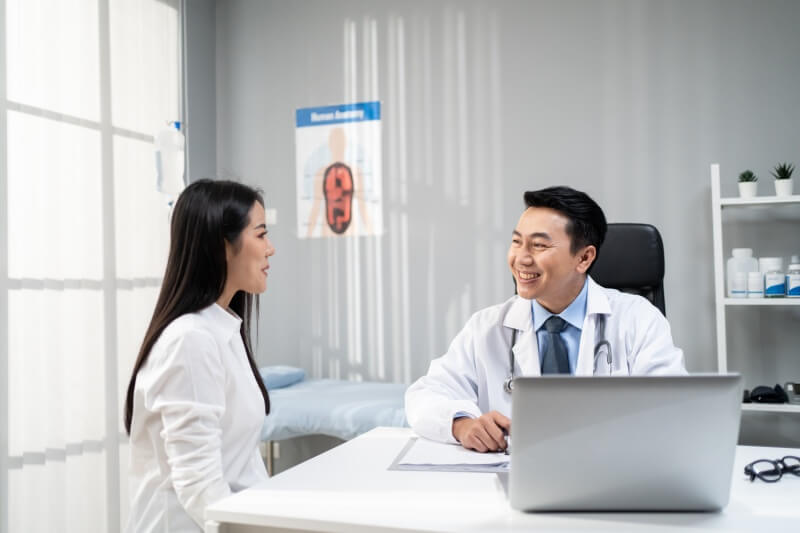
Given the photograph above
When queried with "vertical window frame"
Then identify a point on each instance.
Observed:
(4, 463)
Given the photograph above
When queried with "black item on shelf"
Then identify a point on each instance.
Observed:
(763, 394)
(746, 397)
(793, 392)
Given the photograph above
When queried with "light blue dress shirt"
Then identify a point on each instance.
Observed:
(574, 314)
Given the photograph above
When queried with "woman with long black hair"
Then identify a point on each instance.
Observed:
(195, 402)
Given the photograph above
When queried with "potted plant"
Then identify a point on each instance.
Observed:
(783, 179)
(747, 184)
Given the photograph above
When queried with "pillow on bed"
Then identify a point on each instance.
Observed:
(279, 376)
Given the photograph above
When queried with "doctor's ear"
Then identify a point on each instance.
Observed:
(586, 257)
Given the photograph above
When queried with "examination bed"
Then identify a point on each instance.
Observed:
(332, 407)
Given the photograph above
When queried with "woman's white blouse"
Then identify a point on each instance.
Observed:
(197, 417)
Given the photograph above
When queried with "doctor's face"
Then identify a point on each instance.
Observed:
(541, 261)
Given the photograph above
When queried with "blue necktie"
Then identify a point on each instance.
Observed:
(555, 360)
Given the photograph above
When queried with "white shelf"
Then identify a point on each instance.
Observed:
(769, 209)
(760, 200)
(761, 301)
(771, 407)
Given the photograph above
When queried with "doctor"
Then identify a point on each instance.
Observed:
(553, 325)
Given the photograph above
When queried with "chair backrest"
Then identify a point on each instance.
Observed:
(631, 259)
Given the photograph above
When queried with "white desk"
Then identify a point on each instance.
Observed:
(349, 489)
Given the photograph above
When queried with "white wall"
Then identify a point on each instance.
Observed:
(628, 100)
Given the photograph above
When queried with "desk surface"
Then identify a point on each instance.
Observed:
(349, 489)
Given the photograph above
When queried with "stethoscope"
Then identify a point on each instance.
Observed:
(602, 346)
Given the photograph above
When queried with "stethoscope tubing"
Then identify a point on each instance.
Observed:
(600, 333)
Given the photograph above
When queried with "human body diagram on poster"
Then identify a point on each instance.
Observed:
(339, 190)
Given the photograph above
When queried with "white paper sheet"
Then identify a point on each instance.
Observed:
(425, 454)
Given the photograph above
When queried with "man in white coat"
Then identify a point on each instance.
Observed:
(552, 325)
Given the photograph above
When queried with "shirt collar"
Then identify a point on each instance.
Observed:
(574, 314)
(223, 323)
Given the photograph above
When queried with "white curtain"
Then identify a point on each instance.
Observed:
(88, 84)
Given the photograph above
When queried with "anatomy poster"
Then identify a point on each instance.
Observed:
(339, 188)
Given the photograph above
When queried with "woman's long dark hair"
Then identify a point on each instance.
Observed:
(207, 214)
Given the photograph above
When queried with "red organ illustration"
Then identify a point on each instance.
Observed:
(338, 189)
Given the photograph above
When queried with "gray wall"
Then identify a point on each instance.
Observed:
(628, 100)
(200, 91)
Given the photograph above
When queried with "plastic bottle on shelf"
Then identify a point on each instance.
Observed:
(755, 285)
(793, 280)
(774, 278)
(739, 285)
(741, 262)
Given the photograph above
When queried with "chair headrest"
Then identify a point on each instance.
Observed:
(631, 256)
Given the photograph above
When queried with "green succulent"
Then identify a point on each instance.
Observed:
(746, 176)
(783, 172)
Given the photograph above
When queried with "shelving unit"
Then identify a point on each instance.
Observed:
(771, 407)
(723, 303)
(759, 200)
(760, 301)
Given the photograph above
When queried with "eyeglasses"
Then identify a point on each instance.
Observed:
(772, 471)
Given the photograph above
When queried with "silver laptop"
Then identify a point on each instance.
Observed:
(623, 443)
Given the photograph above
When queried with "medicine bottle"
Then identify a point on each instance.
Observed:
(755, 285)
(793, 281)
(774, 284)
(774, 277)
(741, 262)
(738, 285)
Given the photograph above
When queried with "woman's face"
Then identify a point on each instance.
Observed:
(248, 259)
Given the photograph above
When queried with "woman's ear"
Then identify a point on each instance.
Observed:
(587, 257)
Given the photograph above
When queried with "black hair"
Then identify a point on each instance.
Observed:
(586, 223)
(206, 215)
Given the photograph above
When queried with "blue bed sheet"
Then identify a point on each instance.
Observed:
(343, 409)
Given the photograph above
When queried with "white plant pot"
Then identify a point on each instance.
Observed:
(783, 187)
(747, 189)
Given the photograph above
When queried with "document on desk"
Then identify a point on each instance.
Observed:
(424, 454)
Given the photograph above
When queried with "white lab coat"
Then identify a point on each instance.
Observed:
(197, 418)
(469, 377)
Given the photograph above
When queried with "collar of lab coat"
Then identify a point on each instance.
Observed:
(222, 323)
(596, 300)
(597, 304)
(526, 349)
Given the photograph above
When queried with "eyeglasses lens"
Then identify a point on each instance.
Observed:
(791, 465)
(766, 470)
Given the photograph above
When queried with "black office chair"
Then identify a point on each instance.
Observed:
(632, 260)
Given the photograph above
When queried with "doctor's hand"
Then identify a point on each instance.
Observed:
(483, 434)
